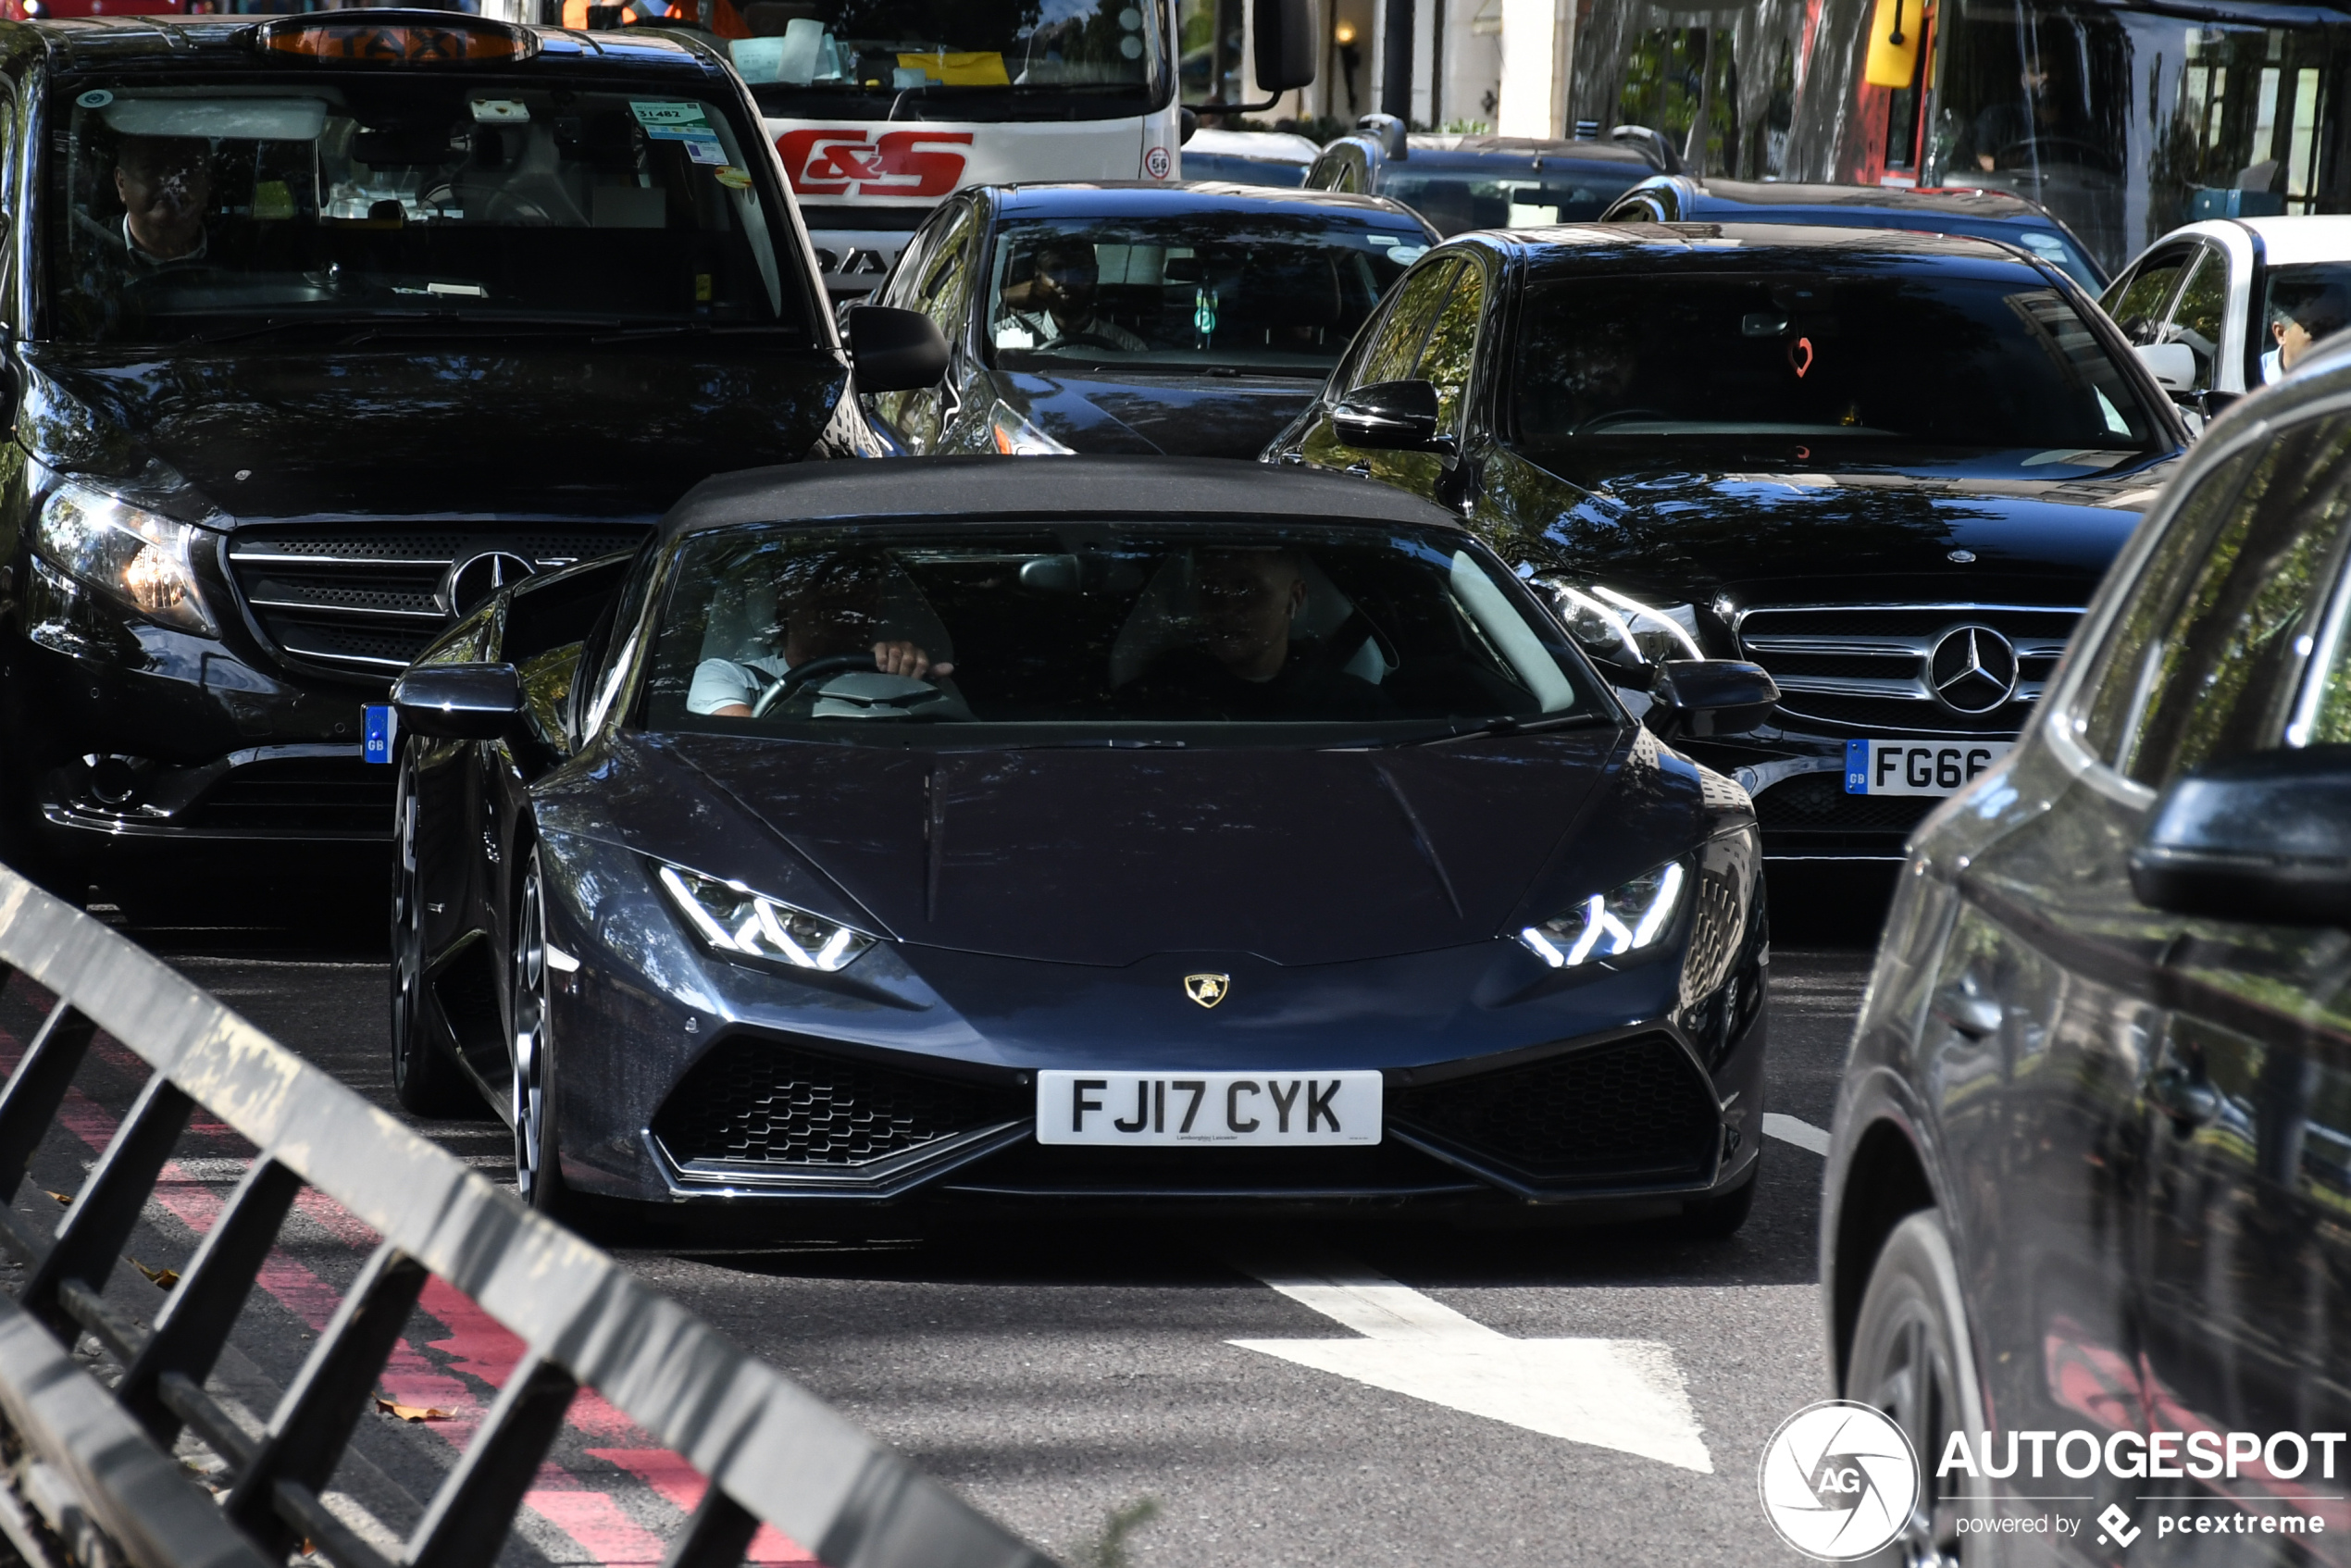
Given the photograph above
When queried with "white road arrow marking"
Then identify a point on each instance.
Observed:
(1620, 1393)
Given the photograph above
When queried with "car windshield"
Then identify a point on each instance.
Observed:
(341, 200)
(1272, 291)
(1208, 630)
(1240, 170)
(2301, 304)
(1507, 194)
(1929, 359)
(952, 60)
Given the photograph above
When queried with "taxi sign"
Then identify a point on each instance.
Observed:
(395, 38)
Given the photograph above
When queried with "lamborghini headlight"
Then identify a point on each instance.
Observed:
(1635, 916)
(1620, 628)
(744, 924)
(1017, 437)
(141, 560)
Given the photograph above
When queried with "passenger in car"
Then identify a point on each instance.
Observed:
(834, 605)
(1058, 303)
(2299, 316)
(166, 186)
(1237, 656)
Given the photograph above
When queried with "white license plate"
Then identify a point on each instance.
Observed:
(1917, 767)
(1252, 1110)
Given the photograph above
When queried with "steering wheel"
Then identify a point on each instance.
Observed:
(1619, 417)
(800, 675)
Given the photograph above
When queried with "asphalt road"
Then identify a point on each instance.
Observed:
(1058, 1373)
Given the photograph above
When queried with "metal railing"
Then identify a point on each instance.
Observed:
(94, 1467)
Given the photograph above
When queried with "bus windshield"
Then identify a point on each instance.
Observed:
(953, 59)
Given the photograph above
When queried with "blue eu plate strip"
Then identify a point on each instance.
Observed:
(381, 730)
(1856, 767)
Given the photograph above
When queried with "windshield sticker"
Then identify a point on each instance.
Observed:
(732, 178)
(500, 111)
(707, 151)
(672, 122)
(1407, 255)
(96, 98)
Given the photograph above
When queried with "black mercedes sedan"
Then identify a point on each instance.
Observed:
(1136, 317)
(2091, 1152)
(1106, 829)
(321, 328)
(1889, 468)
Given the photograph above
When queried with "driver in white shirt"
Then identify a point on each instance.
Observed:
(833, 608)
(1058, 303)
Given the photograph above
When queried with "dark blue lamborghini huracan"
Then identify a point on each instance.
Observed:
(1106, 830)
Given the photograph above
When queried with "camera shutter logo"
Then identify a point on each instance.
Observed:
(1838, 1480)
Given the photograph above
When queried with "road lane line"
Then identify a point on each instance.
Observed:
(1789, 1129)
(1621, 1394)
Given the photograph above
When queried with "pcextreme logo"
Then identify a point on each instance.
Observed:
(850, 162)
(1838, 1480)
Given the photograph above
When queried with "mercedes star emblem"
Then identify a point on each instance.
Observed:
(1973, 669)
(1207, 990)
(1961, 556)
(476, 578)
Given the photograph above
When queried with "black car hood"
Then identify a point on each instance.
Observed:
(229, 434)
(1100, 856)
(1775, 531)
(1180, 416)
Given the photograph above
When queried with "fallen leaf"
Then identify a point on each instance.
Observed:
(412, 1413)
(65, 1198)
(165, 1278)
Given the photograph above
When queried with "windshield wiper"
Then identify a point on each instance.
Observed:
(1505, 724)
(374, 323)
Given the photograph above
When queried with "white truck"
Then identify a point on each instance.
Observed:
(882, 107)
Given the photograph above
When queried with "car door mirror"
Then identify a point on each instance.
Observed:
(895, 350)
(459, 702)
(1391, 417)
(2171, 364)
(2264, 839)
(1709, 697)
(1389, 132)
(1286, 44)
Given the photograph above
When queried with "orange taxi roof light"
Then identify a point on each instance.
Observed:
(396, 38)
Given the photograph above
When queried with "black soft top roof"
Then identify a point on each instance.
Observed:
(948, 488)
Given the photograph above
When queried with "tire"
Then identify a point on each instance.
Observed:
(538, 1163)
(1714, 1219)
(425, 1078)
(1914, 1359)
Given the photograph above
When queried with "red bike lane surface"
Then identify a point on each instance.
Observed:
(607, 1509)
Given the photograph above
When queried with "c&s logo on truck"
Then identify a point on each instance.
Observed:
(851, 163)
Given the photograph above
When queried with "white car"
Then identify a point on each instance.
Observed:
(2215, 307)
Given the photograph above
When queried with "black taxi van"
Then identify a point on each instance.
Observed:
(319, 328)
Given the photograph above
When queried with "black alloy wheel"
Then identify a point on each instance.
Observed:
(425, 1078)
(1913, 1360)
(538, 1173)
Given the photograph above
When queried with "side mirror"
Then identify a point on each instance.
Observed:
(1186, 126)
(895, 350)
(1286, 44)
(2171, 364)
(1391, 417)
(459, 702)
(2265, 839)
(1709, 697)
(2215, 403)
(1391, 132)
(1660, 150)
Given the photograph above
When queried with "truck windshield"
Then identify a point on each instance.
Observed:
(1278, 293)
(953, 59)
(384, 203)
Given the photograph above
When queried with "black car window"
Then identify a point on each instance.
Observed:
(1280, 292)
(212, 207)
(2217, 676)
(1931, 357)
(1505, 193)
(1451, 354)
(2300, 304)
(1394, 352)
(2199, 313)
(2136, 301)
(1089, 625)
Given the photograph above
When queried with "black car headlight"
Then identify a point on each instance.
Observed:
(141, 559)
(741, 924)
(1620, 628)
(1636, 916)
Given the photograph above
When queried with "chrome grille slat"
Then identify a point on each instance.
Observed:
(361, 600)
(1862, 668)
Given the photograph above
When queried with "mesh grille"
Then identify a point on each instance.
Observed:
(1633, 1109)
(1818, 799)
(366, 601)
(756, 1102)
(316, 794)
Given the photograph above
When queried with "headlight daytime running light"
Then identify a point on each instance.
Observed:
(1607, 924)
(741, 924)
(1620, 628)
(144, 561)
(1017, 437)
